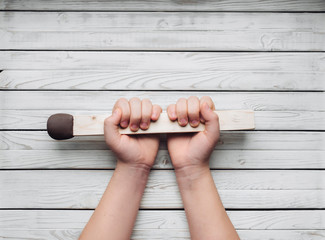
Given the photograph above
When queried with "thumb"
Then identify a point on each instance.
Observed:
(111, 127)
(212, 128)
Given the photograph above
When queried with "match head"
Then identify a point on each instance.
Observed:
(60, 126)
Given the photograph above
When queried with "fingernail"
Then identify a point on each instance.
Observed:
(154, 115)
(134, 127)
(194, 122)
(173, 115)
(124, 124)
(144, 125)
(183, 121)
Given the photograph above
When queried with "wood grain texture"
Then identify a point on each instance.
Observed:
(275, 80)
(152, 62)
(162, 31)
(103, 100)
(241, 140)
(140, 5)
(222, 48)
(105, 159)
(254, 189)
(70, 233)
(168, 220)
(264, 120)
(251, 225)
(89, 125)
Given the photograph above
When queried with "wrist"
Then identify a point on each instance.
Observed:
(133, 170)
(188, 175)
(140, 164)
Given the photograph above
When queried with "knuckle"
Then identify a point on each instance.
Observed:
(134, 100)
(181, 100)
(146, 100)
(205, 98)
(122, 100)
(193, 98)
(106, 122)
(216, 117)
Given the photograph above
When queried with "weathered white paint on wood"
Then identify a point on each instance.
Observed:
(169, 220)
(149, 5)
(105, 100)
(276, 80)
(193, 71)
(158, 233)
(105, 159)
(160, 61)
(264, 120)
(83, 189)
(162, 31)
(240, 140)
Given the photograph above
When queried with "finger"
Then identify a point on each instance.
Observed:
(156, 110)
(193, 111)
(111, 127)
(181, 111)
(171, 112)
(146, 108)
(123, 105)
(212, 128)
(135, 116)
(208, 100)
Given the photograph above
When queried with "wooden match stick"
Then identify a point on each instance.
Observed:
(64, 126)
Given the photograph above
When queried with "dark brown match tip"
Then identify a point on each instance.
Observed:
(60, 126)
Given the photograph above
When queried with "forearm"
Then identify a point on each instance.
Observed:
(116, 212)
(205, 213)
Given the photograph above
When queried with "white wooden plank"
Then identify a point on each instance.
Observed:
(243, 234)
(73, 234)
(238, 189)
(149, 5)
(264, 120)
(168, 220)
(162, 31)
(240, 140)
(105, 159)
(162, 80)
(161, 61)
(105, 100)
(183, 21)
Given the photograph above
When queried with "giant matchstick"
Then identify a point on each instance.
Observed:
(64, 126)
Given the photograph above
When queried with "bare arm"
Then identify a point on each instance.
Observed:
(190, 155)
(205, 213)
(116, 212)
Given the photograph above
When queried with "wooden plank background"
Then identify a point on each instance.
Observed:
(79, 57)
